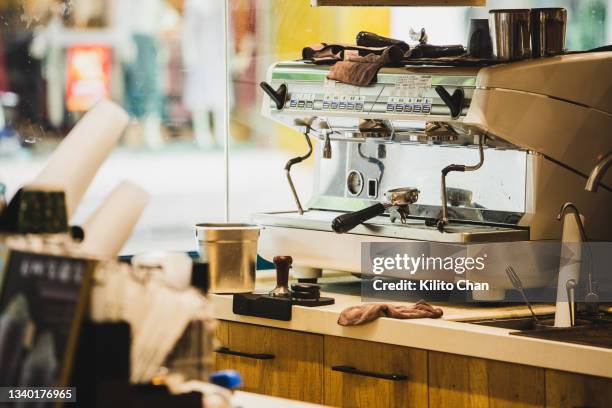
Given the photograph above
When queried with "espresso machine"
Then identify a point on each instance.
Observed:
(492, 153)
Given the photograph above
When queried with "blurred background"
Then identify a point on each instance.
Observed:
(164, 62)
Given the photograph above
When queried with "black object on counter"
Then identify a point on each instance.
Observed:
(276, 308)
(277, 304)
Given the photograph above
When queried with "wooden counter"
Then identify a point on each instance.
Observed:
(410, 363)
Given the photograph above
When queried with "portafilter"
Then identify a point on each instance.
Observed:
(399, 197)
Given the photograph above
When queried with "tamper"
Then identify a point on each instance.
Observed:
(283, 264)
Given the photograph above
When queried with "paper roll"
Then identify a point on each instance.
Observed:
(110, 226)
(77, 159)
(571, 259)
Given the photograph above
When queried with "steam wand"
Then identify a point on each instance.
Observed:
(443, 220)
(297, 160)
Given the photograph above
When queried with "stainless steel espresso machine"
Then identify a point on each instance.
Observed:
(493, 152)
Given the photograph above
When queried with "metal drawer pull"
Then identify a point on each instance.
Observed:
(262, 356)
(353, 370)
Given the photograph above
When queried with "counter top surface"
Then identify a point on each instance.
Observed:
(450, 334)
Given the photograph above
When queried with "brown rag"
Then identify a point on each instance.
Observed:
(359, 65)
(361, 70)
(367, 312)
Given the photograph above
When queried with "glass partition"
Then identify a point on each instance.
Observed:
(163, 61)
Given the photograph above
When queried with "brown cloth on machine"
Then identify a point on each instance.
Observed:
(354, 65)
(367, 312)
(362, 70)
(359, 65)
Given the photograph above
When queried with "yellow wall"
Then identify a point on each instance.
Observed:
(297, 25)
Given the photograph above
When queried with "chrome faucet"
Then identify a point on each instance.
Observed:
(598, 172)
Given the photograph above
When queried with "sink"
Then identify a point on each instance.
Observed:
(596, 335)
(545, 322)
(590, 331)
(517, 323)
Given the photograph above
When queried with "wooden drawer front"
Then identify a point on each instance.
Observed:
(459, 381)
(576, 390)
(361, 389)
(278, 362)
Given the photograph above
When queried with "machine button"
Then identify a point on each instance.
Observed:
(325, 105)
(390, 107)
(408, 108)
(426, 108)
(293, 104)
(301, 104)
(359, 106)
(334, 105)
(416, 109)
(309, 105)
(342, 105)
(350, 106)
(399, 108)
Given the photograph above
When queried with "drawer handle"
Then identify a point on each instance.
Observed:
(354, 371)
(261, 356)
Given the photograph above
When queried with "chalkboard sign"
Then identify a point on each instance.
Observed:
(42, 303)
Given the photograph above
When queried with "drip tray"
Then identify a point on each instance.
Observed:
(382, 226)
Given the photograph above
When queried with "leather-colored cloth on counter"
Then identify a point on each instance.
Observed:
(367, 312)
(362, 70)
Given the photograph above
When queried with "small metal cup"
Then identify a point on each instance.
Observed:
(230, 250)
(548, 27)
(511, 33)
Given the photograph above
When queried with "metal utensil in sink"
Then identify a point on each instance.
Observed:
(399, 197)
(518, 285)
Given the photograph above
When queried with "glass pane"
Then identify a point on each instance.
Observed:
(162, 61)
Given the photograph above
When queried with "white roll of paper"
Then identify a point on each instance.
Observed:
(76, 160)
(110, 226)
(571, 260)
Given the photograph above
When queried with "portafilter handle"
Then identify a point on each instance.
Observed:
(346, 222)
(283, 264)
(278, 96)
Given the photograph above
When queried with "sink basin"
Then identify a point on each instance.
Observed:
(518, 323)
(597, 335)
(589, 331)
(545, 322)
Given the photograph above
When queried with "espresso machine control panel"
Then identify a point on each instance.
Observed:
(435, 94)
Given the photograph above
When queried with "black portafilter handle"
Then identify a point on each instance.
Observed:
(455, 102)
(279, 96)
(368, 39)
(346, 222)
